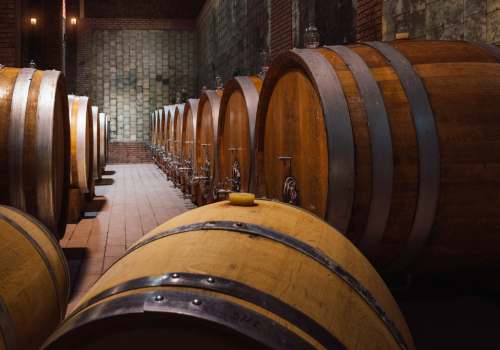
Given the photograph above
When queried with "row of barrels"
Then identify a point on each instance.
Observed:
(238, 274)
(49, 145)
(46, 143)
(89, 149)
(396, 145)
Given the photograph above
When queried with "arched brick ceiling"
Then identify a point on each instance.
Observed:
(184, 9)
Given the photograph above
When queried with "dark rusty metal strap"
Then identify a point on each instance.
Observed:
(493, 49)
(198, 305)
(56, 246)
(341, 154)
(16, 137)
(7, 331)
(228, 287)
(295, 244)
(428, 154)
(381, 147)
(251, 96)
(43, 256)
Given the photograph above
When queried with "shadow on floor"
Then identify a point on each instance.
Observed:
(109, 172)
(104, 182)
(75, 258)
(95, 205)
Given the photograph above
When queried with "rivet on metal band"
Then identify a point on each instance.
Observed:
(228, 287)
(42, 255)
(293, 243)
(341, 154)
(204, 307)
(428, 154)
(7, 327)
(381, 147)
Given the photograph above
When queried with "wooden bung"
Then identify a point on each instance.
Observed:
(267, 276)
(34, 144)
(397, 145)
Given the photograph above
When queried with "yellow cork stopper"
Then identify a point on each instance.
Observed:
(242, 199)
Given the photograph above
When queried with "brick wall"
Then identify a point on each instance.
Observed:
(281, 26)
(231, 33)
(369, 19)
(129, 73)
(9, 50)
(474, 20)
(128, 152)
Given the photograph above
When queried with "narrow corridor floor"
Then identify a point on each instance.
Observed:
(130, 201)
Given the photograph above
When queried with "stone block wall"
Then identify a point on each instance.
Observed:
(474, 20)
(231, 33)
(129, 73)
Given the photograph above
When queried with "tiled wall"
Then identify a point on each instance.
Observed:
(475, 20)
(132, 72)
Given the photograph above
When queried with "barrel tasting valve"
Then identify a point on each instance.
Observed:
(290, 192)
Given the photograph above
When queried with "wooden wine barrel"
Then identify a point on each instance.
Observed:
(396, 144)
(169, 144)
(107, 138)
(235, 140)
(103, 139)
(188, 154)
(82, 148)
(34, 144)
(177, 143)
(96, 133)
(161, 142)
(34, 281)
(267, 276)
(206, 130)
(168, 128)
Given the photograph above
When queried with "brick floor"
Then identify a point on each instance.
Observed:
(131, 200)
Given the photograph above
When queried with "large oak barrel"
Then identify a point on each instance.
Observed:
(82, 148)
(396, 144)
(235, 140)
(156, 137)
(188, 154)
(206, 141)
(34, 144)
(161, 139)
(34, 281)
(169, 143)
(177, 143)
(266, 276)
(97, 146)
(103, 140)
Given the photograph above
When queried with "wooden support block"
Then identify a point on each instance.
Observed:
(75, 204)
